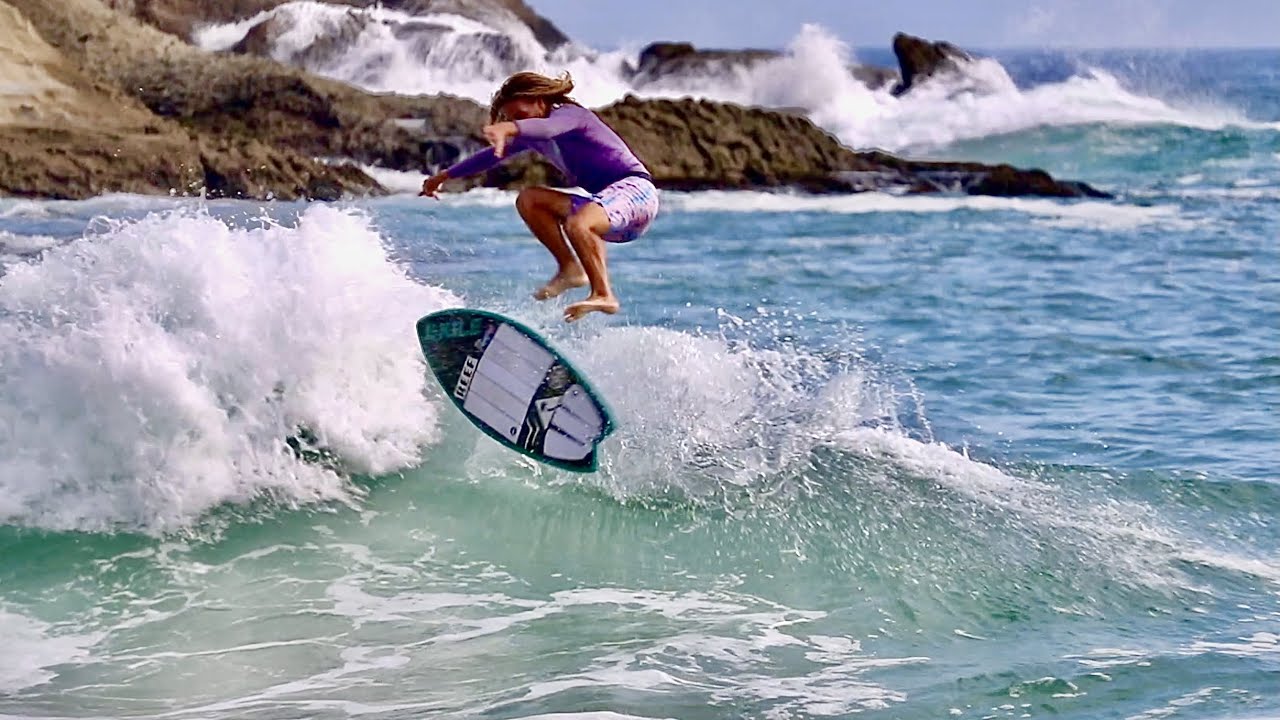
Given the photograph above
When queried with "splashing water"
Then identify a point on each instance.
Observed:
(156, 368)
(390, 51)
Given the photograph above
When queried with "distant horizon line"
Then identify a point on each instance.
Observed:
(964, 46)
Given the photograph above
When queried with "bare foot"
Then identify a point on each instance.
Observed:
(561, 282)
(594, 303)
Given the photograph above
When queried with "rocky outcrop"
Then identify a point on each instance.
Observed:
(237, 126)
(124, 107)
(699, 144)
(926, 176)
(73, 165)
(704, 145)
(83, 135)
(663, 60)
(66, 136)
(920, 59)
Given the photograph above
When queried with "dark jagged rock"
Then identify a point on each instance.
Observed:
(920, 59)
(925, 176)
(255, 170)
(73, 164)
(928, 176)
(1007, 181)
(699, 144)
(664, 52)
(662, 60)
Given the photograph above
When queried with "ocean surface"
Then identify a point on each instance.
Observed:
(878, 456)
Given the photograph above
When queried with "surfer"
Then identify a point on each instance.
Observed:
(534, 112)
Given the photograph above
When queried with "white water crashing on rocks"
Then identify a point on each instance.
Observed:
(391, 51)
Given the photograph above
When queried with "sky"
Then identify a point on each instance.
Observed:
(987, 24)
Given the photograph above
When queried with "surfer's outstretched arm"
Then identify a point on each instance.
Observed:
(485, 160)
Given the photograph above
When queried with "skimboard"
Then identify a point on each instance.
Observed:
(515, 387)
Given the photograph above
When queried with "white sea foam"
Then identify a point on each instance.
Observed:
(604, 715)
(1081, 213)
(22, 208)
(1258, 644)
(20, 245)
(699, 414)
(34, 650)
(154, 370)
(397, 181)
(703, 407)
(743, 636)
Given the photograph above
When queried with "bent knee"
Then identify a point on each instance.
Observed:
(527, 200)
(578, 224)
(590, 218)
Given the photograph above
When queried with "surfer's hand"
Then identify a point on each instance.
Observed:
(498, 135)
(431, 185)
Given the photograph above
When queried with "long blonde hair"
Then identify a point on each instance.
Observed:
(555, 91)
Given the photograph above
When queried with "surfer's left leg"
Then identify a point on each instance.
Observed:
(585, 228)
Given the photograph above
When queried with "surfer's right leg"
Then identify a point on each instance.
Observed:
(584, 229)
(545, 210)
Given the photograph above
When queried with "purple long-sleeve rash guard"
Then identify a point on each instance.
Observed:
(579, 144)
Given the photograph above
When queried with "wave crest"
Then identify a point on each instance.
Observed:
(158, 368)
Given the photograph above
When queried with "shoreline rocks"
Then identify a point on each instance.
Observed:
(920, 59)
(661, 60)
(705, 145)
(129, 108)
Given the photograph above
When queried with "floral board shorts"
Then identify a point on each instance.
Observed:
(631, 205)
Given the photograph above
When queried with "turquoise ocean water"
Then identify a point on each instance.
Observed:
(877, 456)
